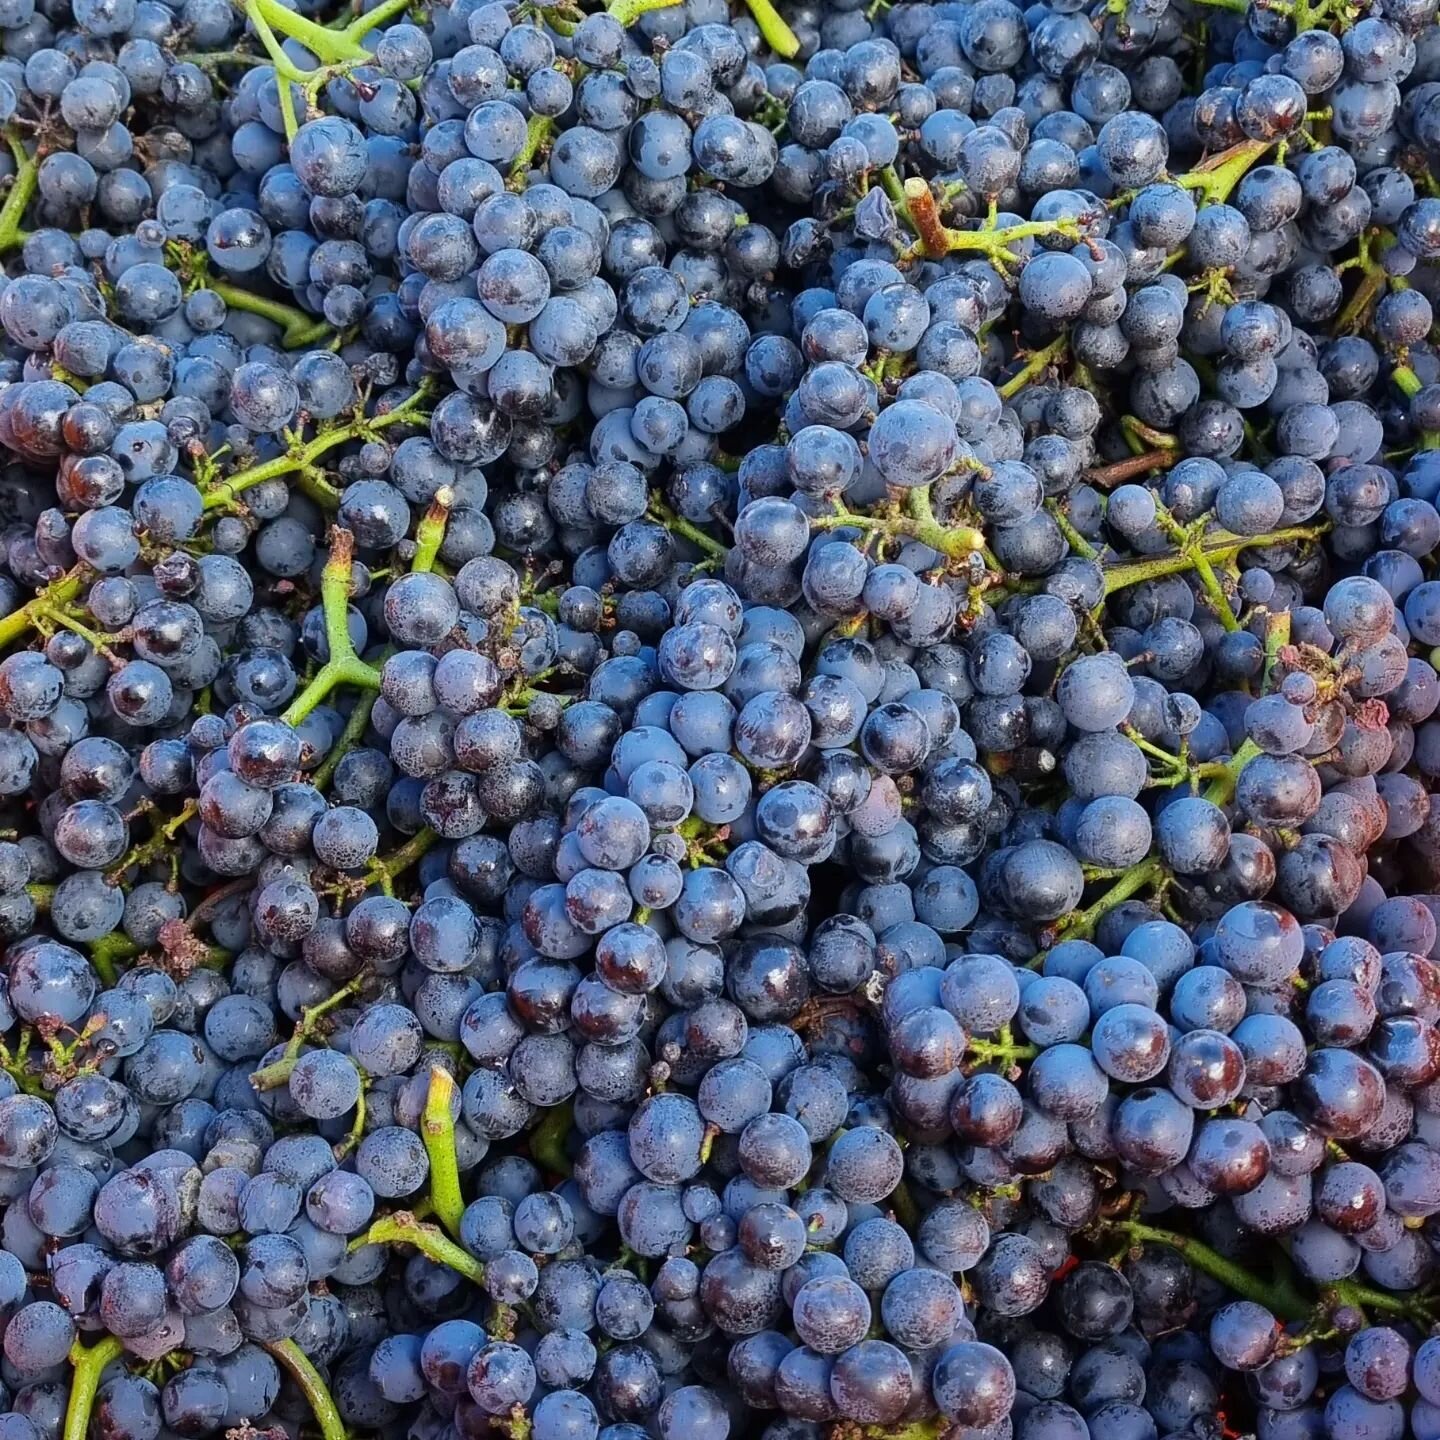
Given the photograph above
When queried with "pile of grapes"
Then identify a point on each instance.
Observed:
(716, 720)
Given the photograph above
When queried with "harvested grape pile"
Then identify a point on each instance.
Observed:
(718, 720)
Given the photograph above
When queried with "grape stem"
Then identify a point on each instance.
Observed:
(1122, 470)
(954, 541)
(214, 59)
(662, 514)
(627, 12)
(1190, 540)
(1219, 547)
(105, 951)
(778, 35)
(1149, 872)
(936, 1428)
(297, 329)
(937, 241)
(384, 872)
(538, 131)
(1216, 177)
(344, 666)
(322, 1404)
(272, 1076)
(437, 1130)
(56, 593)
(22, 191)
(1035, 365)
(1372, 283)
(1277, 637)
(1221, 789)
(330, 47)
(402, 1228)
(88, 1364)
(430, 532)
(1281, 1296)
(1408, 383)
(303, 457)
(1073, 538)
(547, 1139)
(429, 536)
(157, 845)
(350, 736)
(999, 1052)
(343, 1147)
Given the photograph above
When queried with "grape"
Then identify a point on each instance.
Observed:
(838, 603)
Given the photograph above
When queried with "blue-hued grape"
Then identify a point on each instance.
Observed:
(720, 718)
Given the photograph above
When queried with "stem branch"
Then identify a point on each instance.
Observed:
(87, 1363)
(307, 1377)
(437, 1130)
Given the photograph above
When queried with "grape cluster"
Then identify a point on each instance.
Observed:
(718, 720)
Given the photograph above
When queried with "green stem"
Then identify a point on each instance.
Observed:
(105, 951)
(538, 130)
(298, 329)
(956, 541)
(936, 240)
(1190, 543)
(1277, 636)
(547, 1139)
(1167, 758)
(1038, 362)
(1281, 1297)
(1357, 310)
(404, 1229)
(1002, 1052)
(311, 481)
(778, 35)
(224, 492)
(1076, 541)
(213, 59)
(22, 191)
(349, 738)
(382, 14)
(437, 1130)
(343, 667)
(357, 1125)
(56, 593)
(288, 1354)
(385, 872)
(1220, 547)
(907, 1212)
(430, 532)
(157, 845)
(272, 1076)
(1210, 583)
(1083, 922)
(87, 1364)
(932, 1429)
(1221, 789)
(662, 514)
(1219, 175)
(329, 47)
(1408, 383)
(627, 12)
(1414, 1304)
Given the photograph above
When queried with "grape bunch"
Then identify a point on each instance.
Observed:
(716, 719)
